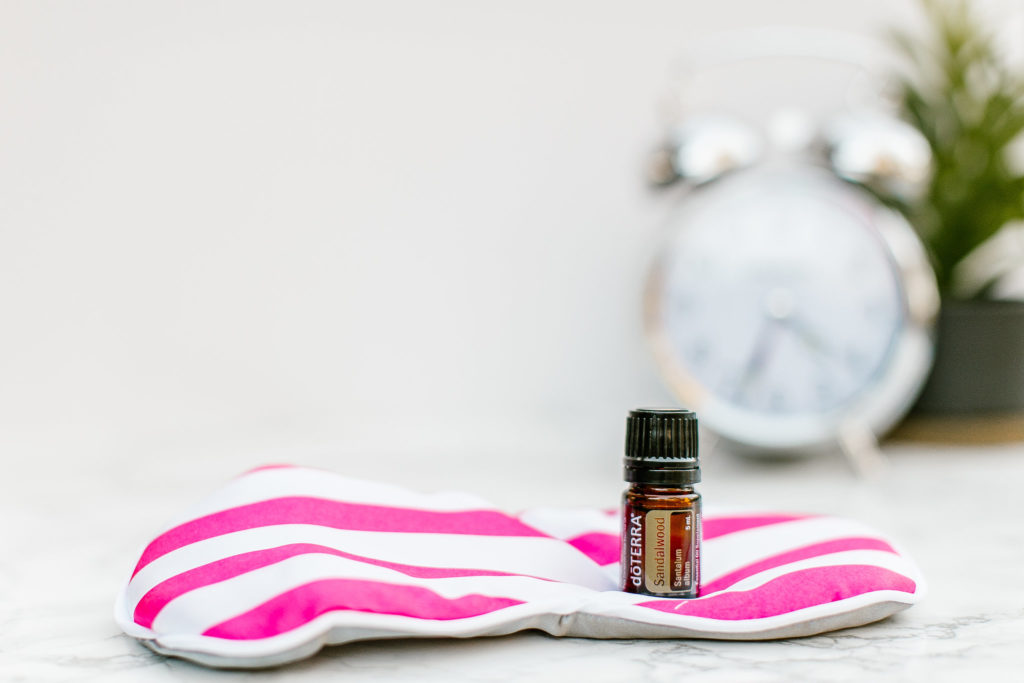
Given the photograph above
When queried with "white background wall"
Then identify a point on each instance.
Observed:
(373, 227)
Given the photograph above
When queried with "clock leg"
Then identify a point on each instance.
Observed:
(860, 447)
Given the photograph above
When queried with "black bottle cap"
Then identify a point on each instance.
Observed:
(661, 447)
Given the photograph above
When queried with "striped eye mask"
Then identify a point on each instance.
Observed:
(285, 560)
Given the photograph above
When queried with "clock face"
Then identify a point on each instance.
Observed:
(778, 305)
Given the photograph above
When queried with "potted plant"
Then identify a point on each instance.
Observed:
(969, 104)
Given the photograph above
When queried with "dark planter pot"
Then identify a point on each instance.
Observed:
(979, 360)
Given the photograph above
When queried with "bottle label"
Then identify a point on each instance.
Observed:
(670, 562)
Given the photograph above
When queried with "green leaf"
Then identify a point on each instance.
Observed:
(969, 106)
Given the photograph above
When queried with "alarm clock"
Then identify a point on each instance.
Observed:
(788, 305)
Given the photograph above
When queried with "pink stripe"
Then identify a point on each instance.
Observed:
(337, 515)
(790, 592)
(157, 598)
(814, 550)
(303, 604)
(600, 547)
(722, 526)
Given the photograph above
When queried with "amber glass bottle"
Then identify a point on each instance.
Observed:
(661, 511)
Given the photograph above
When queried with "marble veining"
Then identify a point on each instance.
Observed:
(76, 530)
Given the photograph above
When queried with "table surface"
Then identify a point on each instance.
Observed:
(72, 531)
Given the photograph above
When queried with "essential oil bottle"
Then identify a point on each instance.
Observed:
(661, 511)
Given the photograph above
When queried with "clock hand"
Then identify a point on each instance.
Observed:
(814, 341)
(824, 355)
(778, 307)
(758, 357)
(808, 336)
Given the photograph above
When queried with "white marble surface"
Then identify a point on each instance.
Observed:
(74, 525)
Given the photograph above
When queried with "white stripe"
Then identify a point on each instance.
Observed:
(807, 620)
(198, 610)
(341, 627)
(875, 558)
(206, 607)
(725, 554)
(568, 524)
(535, 556)
(542, 557)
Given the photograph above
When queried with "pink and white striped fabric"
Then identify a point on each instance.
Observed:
(285, 560)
